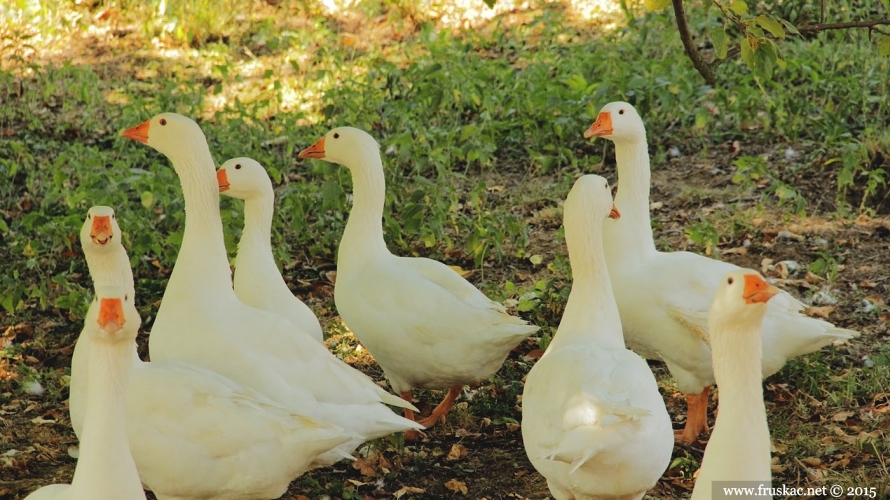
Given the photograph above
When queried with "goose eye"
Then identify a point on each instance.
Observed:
(238, 166)
(163, 121)
(729, 281)
(336, 135)
(620, 111)
(113, 217)
(126, 297)
(90, 216)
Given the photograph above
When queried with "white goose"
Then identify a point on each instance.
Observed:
(258, 282)
(105, 469)
(739, 448)
(202, 322)
(193, 433)
(100, 238)
(663, 297)
(424, 324)
(593, 422)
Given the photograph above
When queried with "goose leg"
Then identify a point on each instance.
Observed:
(410, 435)
(440, 411)
(407, 396)
(696, 417)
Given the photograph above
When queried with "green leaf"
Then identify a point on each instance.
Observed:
(3, 227)
(770, 24)
(147, 199)
(884, 45)
(765, 57)
(490, 3)
(656, 5)
(748, 51)
(790, 27)
(720, 41)
(739, 7)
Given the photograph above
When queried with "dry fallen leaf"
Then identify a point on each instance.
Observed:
(813, 461)
(820, 311)
(364, 466)
(457, 452)
(408, 489)
(462, 433)
(457, 486)
(842, 416)
(533, 354)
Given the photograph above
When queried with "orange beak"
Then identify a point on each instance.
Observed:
(138, 133)
(101, 232)
(601, 127)
(111, 315)
(223, 180)
(758, 290)
(614, 214)
(314, 151)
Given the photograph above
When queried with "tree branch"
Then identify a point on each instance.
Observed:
(817, 28)
(703, 68)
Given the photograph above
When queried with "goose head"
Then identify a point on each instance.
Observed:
(100, 231)
(619, 122)
(742, 299)
(590, 197)
(114, 316)
(170, 134)
(243, 178)
(342, 145)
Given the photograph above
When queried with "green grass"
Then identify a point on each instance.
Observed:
(444, 104)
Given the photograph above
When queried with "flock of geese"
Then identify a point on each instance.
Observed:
(241, 396)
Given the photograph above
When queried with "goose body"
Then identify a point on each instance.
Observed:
(202, 322)
(593, 421)
(193, 433)
(105, 468)
(424, 324)
(664, 297)
(739, 448)
(258, 282)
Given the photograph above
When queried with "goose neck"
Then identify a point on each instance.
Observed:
(110, 268)
(363, 236)
(634, 228)
(591, 312)
(258, 213)
(737, 353)
(104, 452)
(202, 259)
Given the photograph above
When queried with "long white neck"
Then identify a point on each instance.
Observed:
(110, 267)
(591, 313)
(737, 369)
(105, 464)
(630, 237)
(741, 430)
(364, 229)
(255, 245)
(202, 262)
